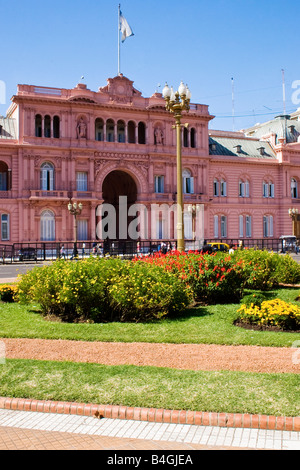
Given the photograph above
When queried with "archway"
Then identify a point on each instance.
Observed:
(119, 194)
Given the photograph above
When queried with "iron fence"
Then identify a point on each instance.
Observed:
(48, 251)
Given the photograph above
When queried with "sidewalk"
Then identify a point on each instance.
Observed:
(28, 430)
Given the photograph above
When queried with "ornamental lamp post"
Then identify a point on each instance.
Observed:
(293, 213)
(176, 102)
(75, 210)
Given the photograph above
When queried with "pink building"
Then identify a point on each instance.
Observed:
(95, 146)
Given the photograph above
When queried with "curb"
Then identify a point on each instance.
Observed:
(199, 418)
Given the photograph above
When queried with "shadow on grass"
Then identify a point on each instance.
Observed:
(192, 312)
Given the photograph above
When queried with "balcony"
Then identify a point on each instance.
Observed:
(60, 195)
(40, 194)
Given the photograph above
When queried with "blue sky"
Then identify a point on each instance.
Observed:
(203, 43)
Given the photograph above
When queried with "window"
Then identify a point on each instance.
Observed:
(4, 183)
(268, 189)
(216, 187)
(268, 226)
(81, 181)
(244, 188)
(185, 137)
(110, 131)
(121, 131)
(223, 188)
(47, 177)
(82, 229)
(47, 126)
(4, 227)
(56, 127)
(141, 133)
(220, 187)
(38, 125)
(159, 184)
(193, 137)
(223, 226)
(99, 126)
(188, 182)
(244, 226)
(294, 188)
(47, 226)
(131, 132)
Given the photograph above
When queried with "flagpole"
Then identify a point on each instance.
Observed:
(119, 39)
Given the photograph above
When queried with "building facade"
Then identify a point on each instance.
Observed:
(115, 148)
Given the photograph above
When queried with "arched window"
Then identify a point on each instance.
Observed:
(38, 125)
(99, 130)
(4, 179)
(294, 188)
(193, 138)
(188, 182)
(131, 132)
(141, 133)
(56, 127)
(47, 126)
(47, 177)
(121, 131)
(110, 130)
(185, 137)
(244, 188)
(216, 187)
(268, 189)
(47, 225)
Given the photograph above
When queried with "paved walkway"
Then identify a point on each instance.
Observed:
(51, 431)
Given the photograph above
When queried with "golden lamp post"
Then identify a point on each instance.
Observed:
(293, 213)
(176, 102)
(75, 210)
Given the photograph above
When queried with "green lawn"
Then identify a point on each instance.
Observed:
(220, 391)
(209, 324)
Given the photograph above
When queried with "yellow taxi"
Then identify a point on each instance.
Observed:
(215, 246)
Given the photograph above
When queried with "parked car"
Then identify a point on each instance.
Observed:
(28, 253)
(215, 246)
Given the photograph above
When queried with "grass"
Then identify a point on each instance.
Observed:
(220, 391)
(210, 324)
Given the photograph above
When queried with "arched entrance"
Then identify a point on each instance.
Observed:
(119, 194)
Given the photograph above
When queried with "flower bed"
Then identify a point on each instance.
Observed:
(275, 314)
(216, 278)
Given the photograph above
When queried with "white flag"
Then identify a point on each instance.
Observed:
(125, 28)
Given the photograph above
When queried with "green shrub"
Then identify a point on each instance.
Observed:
(254, 299)
(104, 289)
(265, 270)
(8, 292)
(216, 278)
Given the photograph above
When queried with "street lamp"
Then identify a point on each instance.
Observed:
(293, 213)
(75, 210)
(176, 102)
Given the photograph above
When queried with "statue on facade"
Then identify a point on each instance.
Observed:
(81, 129)
(159, 136)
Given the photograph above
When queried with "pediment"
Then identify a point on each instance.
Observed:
(120, 89)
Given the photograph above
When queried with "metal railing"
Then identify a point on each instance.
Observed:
(49, 251)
